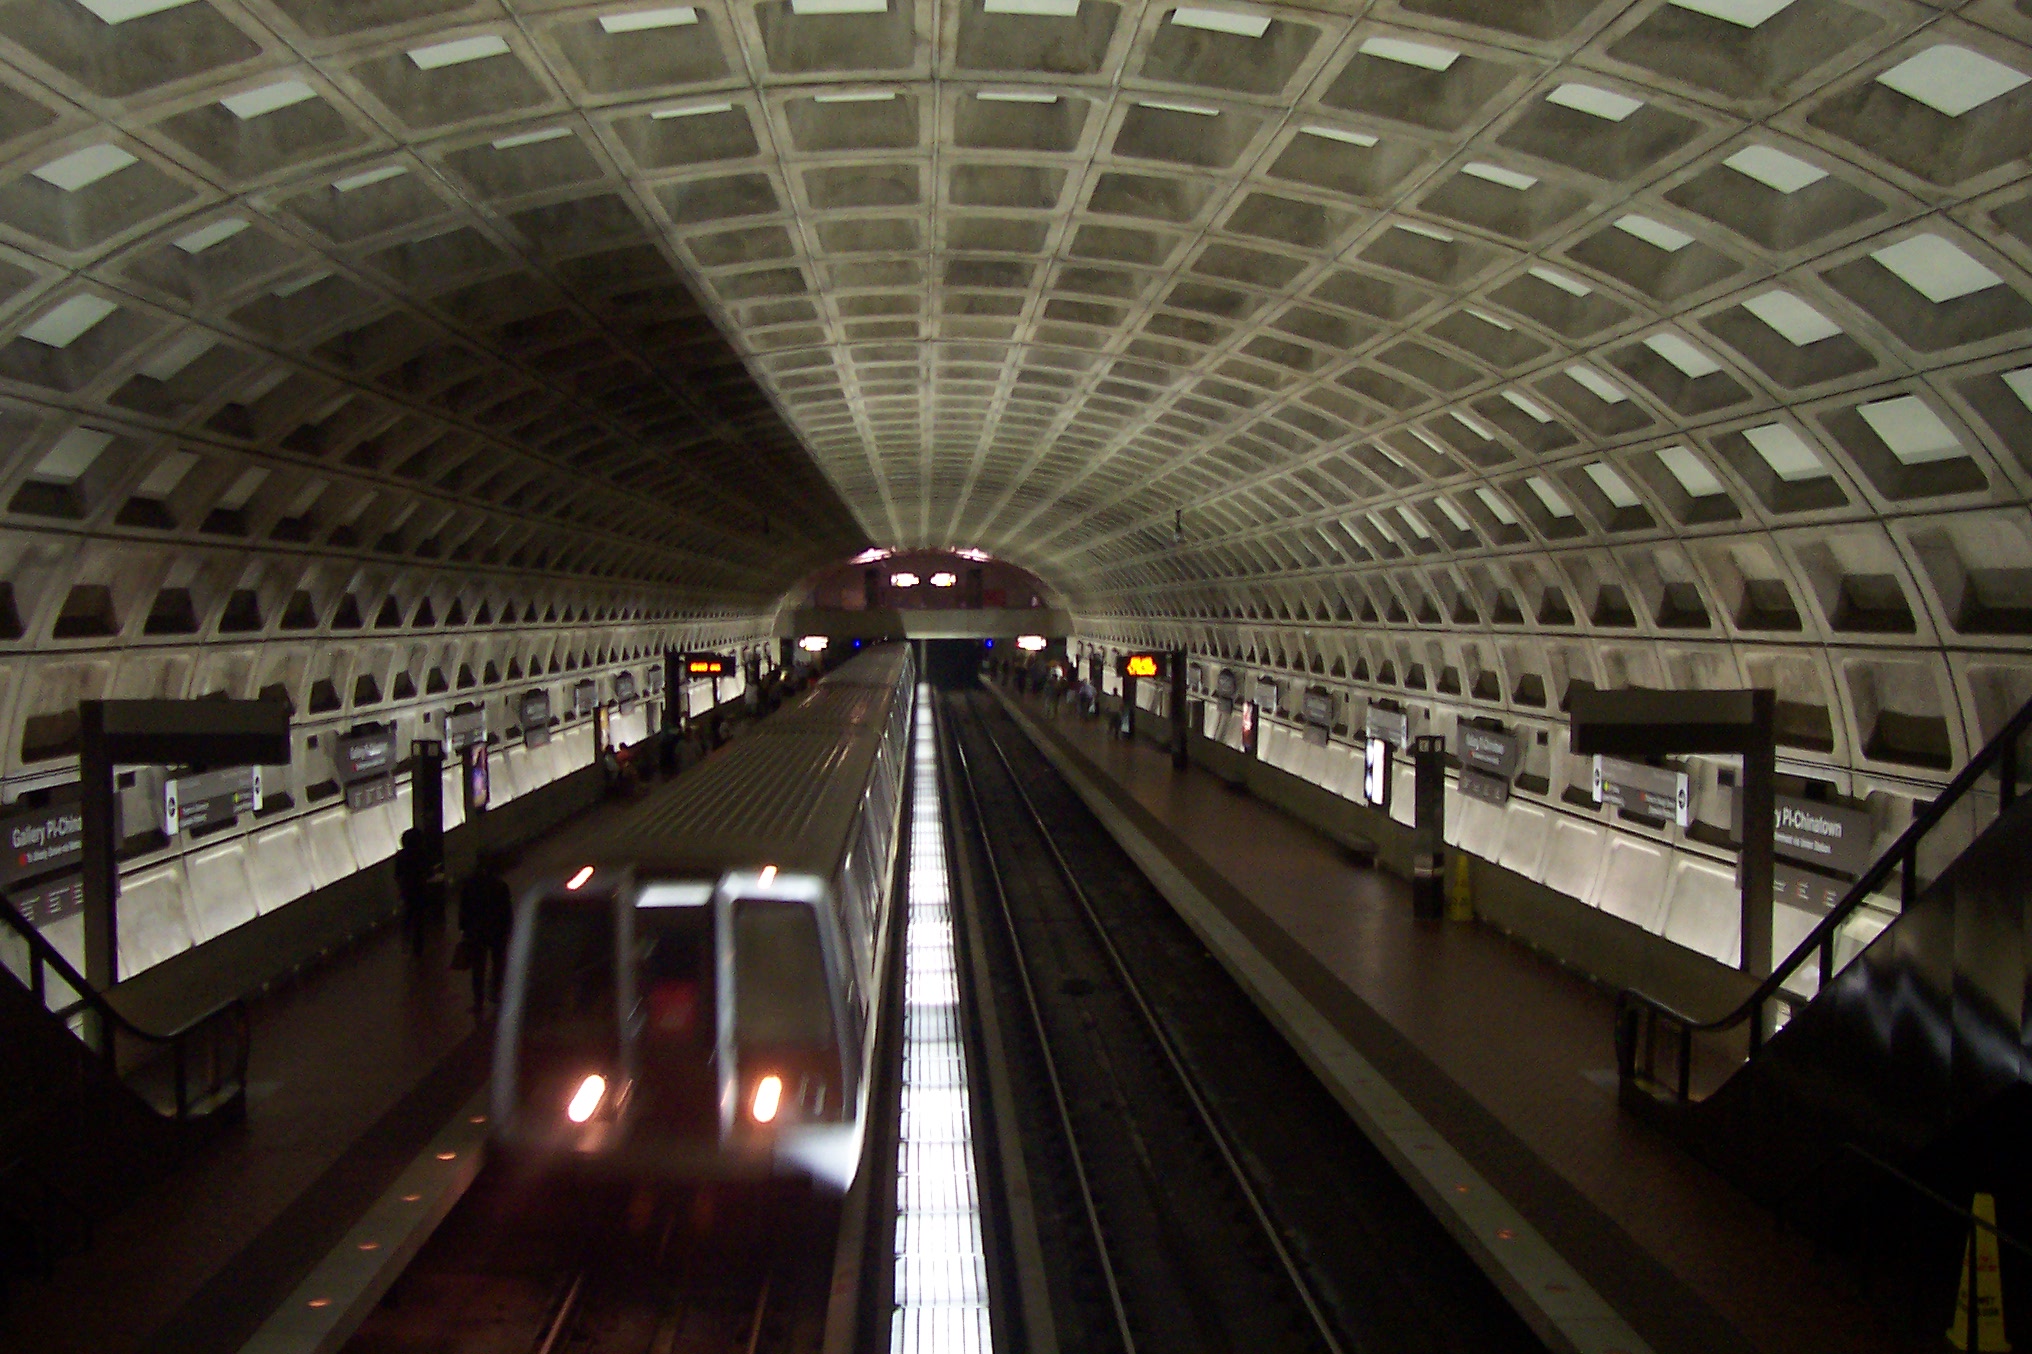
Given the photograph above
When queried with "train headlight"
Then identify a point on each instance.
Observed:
(586, 1099)
(768, 1098)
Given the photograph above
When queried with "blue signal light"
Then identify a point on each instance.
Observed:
(989, 643)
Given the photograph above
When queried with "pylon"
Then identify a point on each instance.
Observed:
(1982, 1282)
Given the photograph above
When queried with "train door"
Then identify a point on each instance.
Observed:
(564, 1061)
(674, 1025)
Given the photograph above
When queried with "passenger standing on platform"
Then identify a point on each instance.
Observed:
(1087, 697)
(420, 880)
(486, 916)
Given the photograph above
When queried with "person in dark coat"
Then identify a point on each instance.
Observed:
(486, 916)
(420, 882)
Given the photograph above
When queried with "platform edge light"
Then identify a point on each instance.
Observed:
(1030, 643)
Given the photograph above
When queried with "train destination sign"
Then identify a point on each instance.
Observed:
(1649, 791)
(1143, 665)
(1827, 835)
(463, 728)
(41, 840)
(192, 802)
(1389, 725)
(369, 753)
(534, 712)
(1490, 751)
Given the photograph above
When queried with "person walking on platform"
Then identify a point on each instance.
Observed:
(420, 881)
(486, 916)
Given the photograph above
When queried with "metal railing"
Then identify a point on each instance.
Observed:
(1641, 1018)
(215, 1043)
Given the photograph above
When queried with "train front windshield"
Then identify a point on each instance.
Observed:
(570, 1014)
(783, 1013)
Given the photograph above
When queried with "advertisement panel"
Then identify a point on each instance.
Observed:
(1376, 777)
(1246, 712)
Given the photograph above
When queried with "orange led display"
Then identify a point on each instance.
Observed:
(1141, 665)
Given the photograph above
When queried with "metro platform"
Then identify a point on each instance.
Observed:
(1507, 1055)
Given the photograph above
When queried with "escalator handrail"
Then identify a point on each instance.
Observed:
(46, 954)
(1900, 852)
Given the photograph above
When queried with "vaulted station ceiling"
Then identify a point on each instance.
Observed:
(1667, 341)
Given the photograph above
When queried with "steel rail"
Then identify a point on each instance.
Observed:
(1079, 1169)
(1186, 1082)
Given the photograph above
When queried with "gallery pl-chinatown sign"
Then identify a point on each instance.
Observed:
(41, 840)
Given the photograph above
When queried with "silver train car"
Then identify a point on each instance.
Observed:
(694, 994)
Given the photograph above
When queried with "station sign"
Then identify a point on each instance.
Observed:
(1227, 685)
(1392, 726)
(1143, 665)
(1490, 751)
(624, 688)
(49, 902)
(1485, 787)
(700, 666)
(192, 802)
(1804, 889)
(652, 680)
(1318, 708)
(533, 711)
(365, 794)
(41, 840)
(1269, 693)
(463, 728)
(1649, 791)
(1827, 835)
(584, 696)
(368, 753)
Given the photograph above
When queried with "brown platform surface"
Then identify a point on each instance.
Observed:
(1506, 1053)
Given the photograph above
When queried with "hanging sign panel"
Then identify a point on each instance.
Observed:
(463, 728)
(652, 680)
(624, 688)
(1483, 786)
(51, 901)
(1649, 791)
(192, 802)
(533, 710)
(365, 794)
(1319, 715)
(1269, 694)
(1490, 751)
(40, 840)
(1392, 726)
(368, 753)
(1830, 836)
(583, 696)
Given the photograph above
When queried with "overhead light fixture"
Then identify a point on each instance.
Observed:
(1222, 21)
(204, 237)
(871, 555)
(368, 177)
(83, 168)
(691, 110)
(806, 7)
(531, 138)
(252, 103)
(1043, 9)
(642, 20)
(944, 580)
(65, 324)
(978, 556)
(458, 51)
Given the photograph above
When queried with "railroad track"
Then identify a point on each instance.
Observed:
(1202, 1191)
(607, 1272)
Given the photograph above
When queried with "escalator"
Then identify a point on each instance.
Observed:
(93, 1109)
(1869, 1104)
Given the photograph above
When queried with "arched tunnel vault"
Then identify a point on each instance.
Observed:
(1676, 342)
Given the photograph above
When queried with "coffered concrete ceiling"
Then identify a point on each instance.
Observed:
(1560, 329)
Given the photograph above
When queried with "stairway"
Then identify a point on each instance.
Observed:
(83, 1132)
(1904, 1085)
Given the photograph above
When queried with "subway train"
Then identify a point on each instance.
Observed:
(694, 994)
